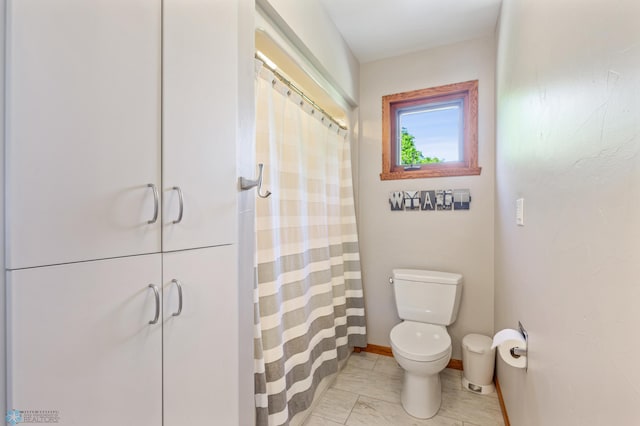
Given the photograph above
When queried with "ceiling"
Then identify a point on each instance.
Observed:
(379, 29)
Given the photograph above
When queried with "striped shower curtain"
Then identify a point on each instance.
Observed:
(309, 302)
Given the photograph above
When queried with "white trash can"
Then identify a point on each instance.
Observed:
(478, 361)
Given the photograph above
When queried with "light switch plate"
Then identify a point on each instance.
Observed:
(520, 212)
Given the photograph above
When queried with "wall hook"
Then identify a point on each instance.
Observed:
(246, 184)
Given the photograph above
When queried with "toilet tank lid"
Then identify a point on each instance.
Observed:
(427, 276)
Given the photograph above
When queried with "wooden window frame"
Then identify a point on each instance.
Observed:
(468, 92)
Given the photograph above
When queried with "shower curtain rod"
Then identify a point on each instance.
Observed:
(293, 87)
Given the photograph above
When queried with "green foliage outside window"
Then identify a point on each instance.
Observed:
(410, 154)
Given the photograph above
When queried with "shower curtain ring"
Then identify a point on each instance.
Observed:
(246, 184)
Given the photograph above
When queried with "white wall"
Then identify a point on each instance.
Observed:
(310, 28)
(3, 368)
(568, 141)
(246, 208)
(460, 241)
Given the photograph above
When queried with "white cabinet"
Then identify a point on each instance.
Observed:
(199, 356)
(80, 342)
(88, 84)
(107, 101)
(199, 105)
(83, 129)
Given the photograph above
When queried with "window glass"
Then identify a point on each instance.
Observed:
(430, 133)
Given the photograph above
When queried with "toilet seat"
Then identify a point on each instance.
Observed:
(420, 342)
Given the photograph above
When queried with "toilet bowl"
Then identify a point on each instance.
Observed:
(427, 301)
(423, 351)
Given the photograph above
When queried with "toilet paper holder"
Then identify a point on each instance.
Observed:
(518, 352)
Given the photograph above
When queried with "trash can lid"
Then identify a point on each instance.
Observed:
(477, 343)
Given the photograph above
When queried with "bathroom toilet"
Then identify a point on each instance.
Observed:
(427, 302)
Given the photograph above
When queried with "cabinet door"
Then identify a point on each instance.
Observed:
(83, 129)
(199, 122)
(80, 343)
(201, 343)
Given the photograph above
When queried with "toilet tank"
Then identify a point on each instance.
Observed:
(427, 296)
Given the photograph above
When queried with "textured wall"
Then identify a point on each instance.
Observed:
(568, 125)
(449, 241)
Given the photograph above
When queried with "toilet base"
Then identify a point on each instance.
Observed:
(421, 396)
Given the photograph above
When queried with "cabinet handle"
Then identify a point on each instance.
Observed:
(176, 282)
(157, 296)
(156, 203)
(181, 200)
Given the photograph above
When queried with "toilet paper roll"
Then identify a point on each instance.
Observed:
(507, 339)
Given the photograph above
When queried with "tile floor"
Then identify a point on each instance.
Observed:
(367, 393)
